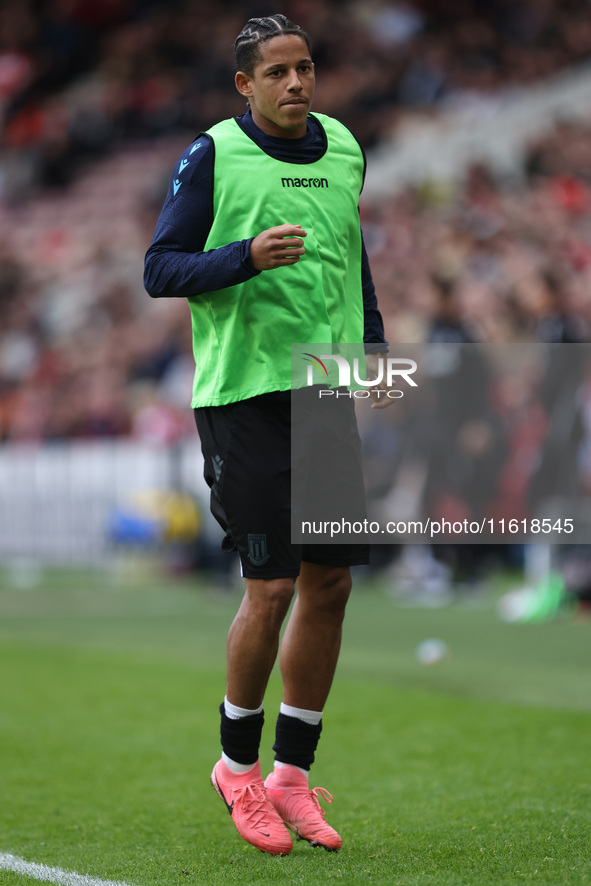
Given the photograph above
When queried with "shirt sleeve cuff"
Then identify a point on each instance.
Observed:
(373, 347)
(246, 260)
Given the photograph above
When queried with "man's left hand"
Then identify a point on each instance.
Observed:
(379, 392)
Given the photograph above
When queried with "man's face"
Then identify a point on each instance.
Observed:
(281, 89)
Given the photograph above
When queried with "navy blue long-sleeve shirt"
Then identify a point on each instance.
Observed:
(177, 266)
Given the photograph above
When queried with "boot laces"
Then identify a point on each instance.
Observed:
(257, 810)
(303, 796)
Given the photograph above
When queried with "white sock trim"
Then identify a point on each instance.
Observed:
(279, 765)
(235, 713)
(237, 768)
(313, 717)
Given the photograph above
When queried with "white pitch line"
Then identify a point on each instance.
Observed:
(51, 875)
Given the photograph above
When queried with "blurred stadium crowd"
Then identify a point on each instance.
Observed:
(98, 98)
(78, 77)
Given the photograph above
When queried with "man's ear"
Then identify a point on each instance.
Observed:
(243, 81)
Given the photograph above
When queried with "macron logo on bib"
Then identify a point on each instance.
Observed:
(304, 182)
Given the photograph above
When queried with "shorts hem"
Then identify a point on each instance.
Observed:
(270, 576)
(337, 561)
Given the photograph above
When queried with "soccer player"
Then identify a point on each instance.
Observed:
(260, 231)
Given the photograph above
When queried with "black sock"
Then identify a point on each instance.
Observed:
(241, 738)
(296, 741)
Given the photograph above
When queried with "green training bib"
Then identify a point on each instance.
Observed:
(242, 335)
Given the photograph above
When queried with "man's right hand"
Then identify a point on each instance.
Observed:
(277, 247)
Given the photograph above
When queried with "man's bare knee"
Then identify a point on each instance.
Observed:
(270, 599)
(323, 588)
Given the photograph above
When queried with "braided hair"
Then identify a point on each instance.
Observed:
(259, 30)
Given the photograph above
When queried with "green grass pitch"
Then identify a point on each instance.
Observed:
(472, 771)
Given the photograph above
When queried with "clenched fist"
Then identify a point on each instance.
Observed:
(277, 247)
